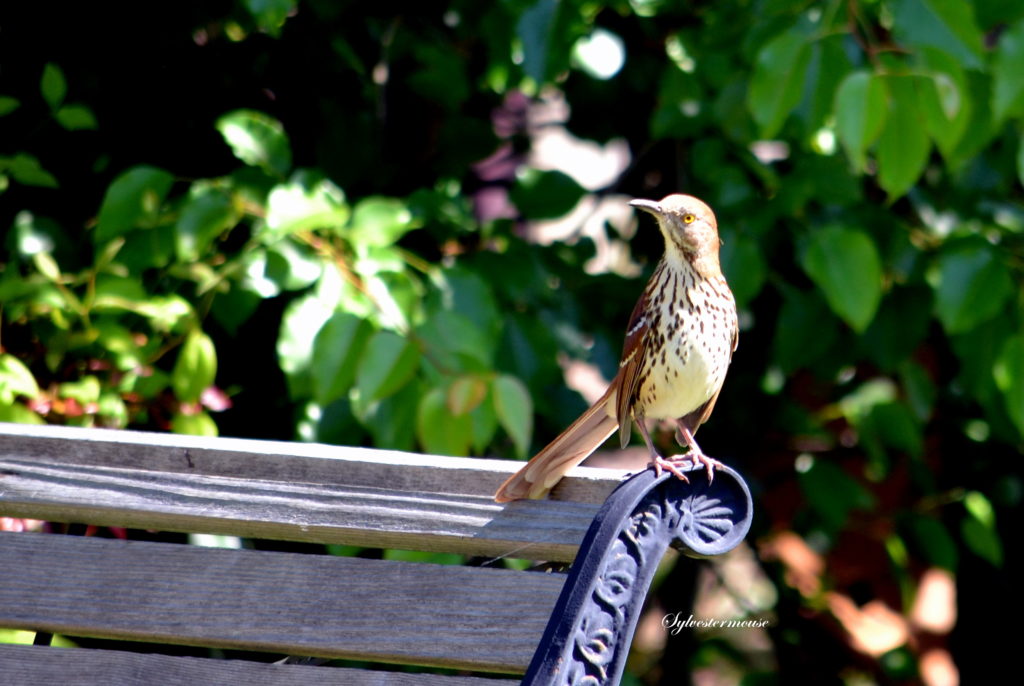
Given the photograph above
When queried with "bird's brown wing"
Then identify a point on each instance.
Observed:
(628, 379)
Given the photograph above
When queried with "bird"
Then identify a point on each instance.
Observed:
(678, 346)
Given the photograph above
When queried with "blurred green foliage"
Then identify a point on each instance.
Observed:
(315, 220)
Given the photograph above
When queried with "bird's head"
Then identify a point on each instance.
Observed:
(689, 227)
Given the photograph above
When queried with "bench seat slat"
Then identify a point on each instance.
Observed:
(38, 666)
(387, 611)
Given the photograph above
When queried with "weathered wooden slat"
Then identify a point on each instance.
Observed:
(273, 461)
(356, 515)
(36, 666)
(387, 611)
(315, 493)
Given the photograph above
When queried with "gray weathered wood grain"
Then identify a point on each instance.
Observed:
(37, 666)
(387, 611)
(273, 461)
(287, 491)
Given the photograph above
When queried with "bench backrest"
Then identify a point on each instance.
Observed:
(469, 618)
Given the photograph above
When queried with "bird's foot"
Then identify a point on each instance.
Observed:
(709, 463)
(675, 464)
(670, 465)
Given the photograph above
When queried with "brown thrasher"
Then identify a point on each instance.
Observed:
(679, 343)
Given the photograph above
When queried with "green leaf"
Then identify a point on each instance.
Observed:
(302, 320)
(485, 424)
(206, 215)
(257, 139)
(19, 414)
(859, 403)
(903, 146)
(845, 265)
(1009, 377)
(802, 312)
(53, 85)
(200, 424)
(397, 298)
(166, 312)
(149, 385)
(466, 393)
(15, 379)
(234, 308)
(455, 343)
(980, 507)
(145, 248)
(113, 410)
(534, 31)
(86, 390)
(777, 84)
(827, 68)
(919, 389)
(469, 293)
(292, 266)
(982, 541)
(196, 367)
(302, 206)
(977, 351)
(270, 15)
(944, 99)
(974, 284)
(744, 267)
(860, 114)
(514, 408)
(545, 194)
(379, 222)
(121, 344)
(944, 24)
(26, 170)
(1020, 160)
(931, 536)
(440, 432)
(894, 425)
(336, 350)
(440, 77)
(76, 118)
(392, 421)
(981, 129)
(979, 528)
(47, 266)
(1008, 74)
(677, 114)
(833, 493)
(8, 104)
(899, 326)
(133, 197)
(388, 363)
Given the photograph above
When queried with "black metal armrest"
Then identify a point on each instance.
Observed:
(588, 636)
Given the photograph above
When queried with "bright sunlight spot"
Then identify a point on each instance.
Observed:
(601, 54)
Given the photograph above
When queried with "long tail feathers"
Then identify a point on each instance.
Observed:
(572, 446)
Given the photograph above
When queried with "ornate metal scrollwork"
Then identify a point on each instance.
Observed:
(588, 636)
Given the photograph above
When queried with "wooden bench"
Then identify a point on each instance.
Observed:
(469, 618)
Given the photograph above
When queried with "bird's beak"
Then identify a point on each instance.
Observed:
(651, 206)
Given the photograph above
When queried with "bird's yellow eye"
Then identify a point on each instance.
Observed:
(689, 218)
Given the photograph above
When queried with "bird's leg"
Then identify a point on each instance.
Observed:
(657, 461)
(685, 437)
